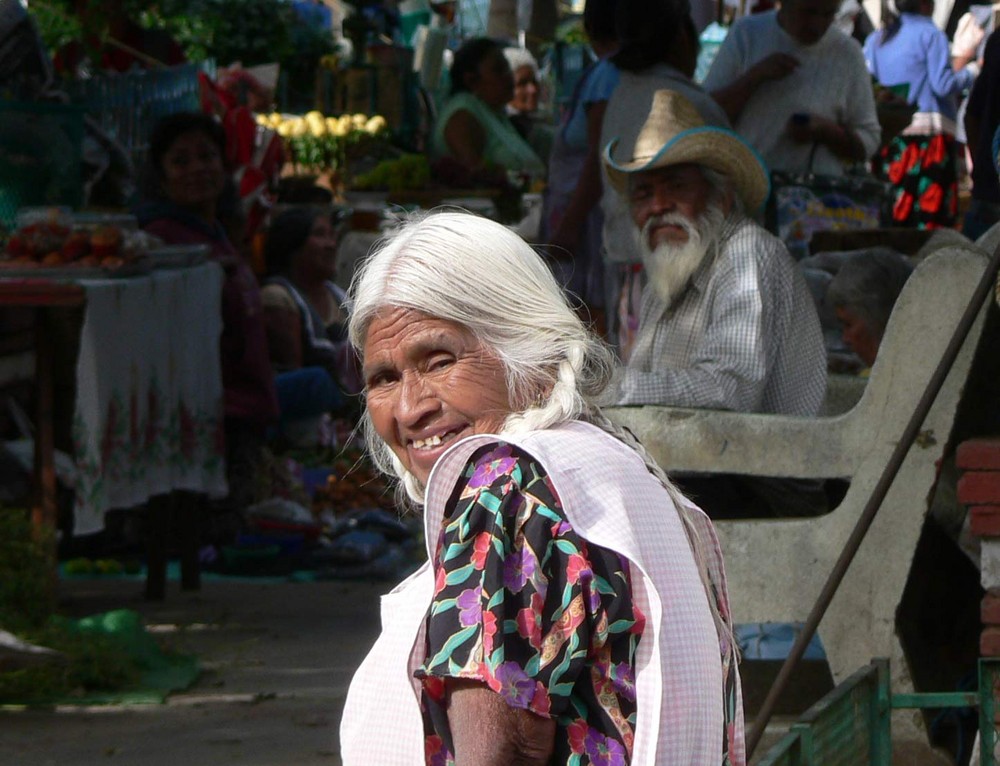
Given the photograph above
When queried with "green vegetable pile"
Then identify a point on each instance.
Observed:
(27, 606)
(411, 171)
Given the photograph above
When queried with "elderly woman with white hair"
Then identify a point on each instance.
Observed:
(573, 608)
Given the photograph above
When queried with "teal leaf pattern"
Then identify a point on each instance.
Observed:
(533, 611)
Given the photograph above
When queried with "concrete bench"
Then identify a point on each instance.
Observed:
(776, 568)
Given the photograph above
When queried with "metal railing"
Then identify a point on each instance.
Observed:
(852, 725)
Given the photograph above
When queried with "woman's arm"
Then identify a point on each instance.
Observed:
(466, 139)
(486, 731)
(588, 189)
(946, 77)
(734, 96)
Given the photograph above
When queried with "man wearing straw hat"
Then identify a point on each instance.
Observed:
(727, 321)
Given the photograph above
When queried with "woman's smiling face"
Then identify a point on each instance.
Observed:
(429, 382)
(193, 171)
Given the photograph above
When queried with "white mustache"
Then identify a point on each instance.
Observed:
(669, 219)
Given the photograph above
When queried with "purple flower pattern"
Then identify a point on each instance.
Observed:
(527, 570)
(515, 685)
(604, 751)
(470, 606)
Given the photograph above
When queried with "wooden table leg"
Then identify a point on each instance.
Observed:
(190, 507)
(158, 513)
(43, 514)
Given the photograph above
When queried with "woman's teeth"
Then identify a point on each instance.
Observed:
(430, 441)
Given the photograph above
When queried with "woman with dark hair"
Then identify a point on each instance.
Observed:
(305, 312)
(921, 162)
(658, 50)
(187, 194)
(473, 127)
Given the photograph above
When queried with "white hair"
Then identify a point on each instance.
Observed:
(477, 273)
(519, 57)
(670, 266)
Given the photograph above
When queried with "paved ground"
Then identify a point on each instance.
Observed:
(277, 660)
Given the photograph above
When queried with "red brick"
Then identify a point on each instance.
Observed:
(989, 642)
(979, 453)
(984, 520)
(990, 608)
(979, 488)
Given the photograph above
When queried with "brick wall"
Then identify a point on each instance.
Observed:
(979, 490)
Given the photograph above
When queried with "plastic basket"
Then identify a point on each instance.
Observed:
(40, 156)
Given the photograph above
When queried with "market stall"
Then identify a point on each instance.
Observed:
(148, 409)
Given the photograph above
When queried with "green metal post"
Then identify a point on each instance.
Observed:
(987, 711)
(881, 724)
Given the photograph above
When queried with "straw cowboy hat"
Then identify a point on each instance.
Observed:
(674, 133)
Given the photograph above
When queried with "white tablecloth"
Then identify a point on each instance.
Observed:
(149, 410)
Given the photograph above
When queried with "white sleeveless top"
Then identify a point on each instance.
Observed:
(611, 500)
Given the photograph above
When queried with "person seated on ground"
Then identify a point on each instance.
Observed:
(522, 109)
(305, 313)
(863, 293)
(481, 399)
(797, 89)
(119, 42)
(727, 321)
(186, 196)
(473, 127)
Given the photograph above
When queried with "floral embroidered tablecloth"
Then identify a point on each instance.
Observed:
(149, 412)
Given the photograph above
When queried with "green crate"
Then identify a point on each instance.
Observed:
(852, 725)
(40, 156)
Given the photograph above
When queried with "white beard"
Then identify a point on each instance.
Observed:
(669, 267)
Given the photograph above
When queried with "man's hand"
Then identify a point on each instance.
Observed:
(777, 66)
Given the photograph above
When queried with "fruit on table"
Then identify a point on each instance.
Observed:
(51, 244)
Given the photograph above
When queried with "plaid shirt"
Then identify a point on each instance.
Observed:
(611, 500)
(744, 336)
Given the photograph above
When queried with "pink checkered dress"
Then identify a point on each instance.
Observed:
(611, 500)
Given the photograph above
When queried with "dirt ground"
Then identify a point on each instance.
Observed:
(276, 658)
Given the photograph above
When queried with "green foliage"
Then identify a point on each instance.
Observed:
(94, 663)
(27, 597)
(249, 31)
(56, 23)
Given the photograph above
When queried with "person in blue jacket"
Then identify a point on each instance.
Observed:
(920, 163)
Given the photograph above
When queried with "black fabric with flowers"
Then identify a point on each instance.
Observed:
(526, 606)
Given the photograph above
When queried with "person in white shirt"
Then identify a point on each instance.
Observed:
(797, 89)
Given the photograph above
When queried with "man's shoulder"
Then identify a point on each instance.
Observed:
(755, 23)
(837, 43)
(745, 237)
(746, 246)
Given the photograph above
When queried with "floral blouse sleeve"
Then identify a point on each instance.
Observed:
(529, 608)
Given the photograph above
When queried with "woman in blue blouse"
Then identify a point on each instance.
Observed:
(921, 162)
